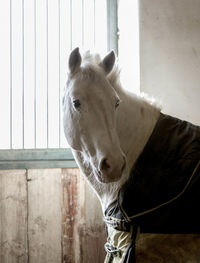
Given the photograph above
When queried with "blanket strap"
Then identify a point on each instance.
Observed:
(112, 250)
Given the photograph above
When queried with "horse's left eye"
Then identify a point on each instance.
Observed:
(117, 104)
(76, 103)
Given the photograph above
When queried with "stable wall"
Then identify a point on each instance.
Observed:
(170, 55)
(49, 215)
(52, 215)
(170, 72)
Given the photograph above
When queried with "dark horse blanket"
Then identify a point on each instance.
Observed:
(162, 194)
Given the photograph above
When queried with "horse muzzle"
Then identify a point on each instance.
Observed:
(110, 170)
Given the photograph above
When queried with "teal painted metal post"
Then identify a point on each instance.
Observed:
(11, 87)
(36, 158)
(112, 25)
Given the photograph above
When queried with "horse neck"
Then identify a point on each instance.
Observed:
(136, 120)
(135, 123)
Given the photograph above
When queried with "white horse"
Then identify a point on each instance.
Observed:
(113, 134)
(105, 126)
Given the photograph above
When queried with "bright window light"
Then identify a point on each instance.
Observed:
(36, 38)
(129, 44)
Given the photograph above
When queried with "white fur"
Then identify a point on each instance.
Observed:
(134, 119)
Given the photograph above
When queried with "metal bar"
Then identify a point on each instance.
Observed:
(94, 23)
(35, 94)
(47, 68)
(112, 25)
(36, 154)
(71, 24)
(23, 74)
(32, 164)
(59, 84)
(38, 158)
(10, 74)
(108, 24)
(83, 23)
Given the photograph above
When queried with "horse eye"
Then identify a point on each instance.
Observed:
(117, 104)
(76, 103)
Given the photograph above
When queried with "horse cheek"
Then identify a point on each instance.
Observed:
(70, 131)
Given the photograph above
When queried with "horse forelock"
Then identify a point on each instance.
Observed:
(91, 58)
(91, 64)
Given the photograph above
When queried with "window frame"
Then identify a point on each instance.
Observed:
(36, 158)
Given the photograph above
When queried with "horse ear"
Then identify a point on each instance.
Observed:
(108, 62)
(74, 60)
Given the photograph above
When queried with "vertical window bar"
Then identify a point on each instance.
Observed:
(35, 74)
(112, 25)
(94, 23)
(47, 77)
(108, 24)
(23, 74)
(71, 24)
(83, 23)
(59, 96)
(10, 74)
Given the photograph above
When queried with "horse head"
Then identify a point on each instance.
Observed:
(90, 106)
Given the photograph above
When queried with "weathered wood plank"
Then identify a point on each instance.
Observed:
(173, 248)
(72, 213)
(94, 235)
(82, 226)
(13, 216)
(44, 215)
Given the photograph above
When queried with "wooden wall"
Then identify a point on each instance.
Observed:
(52, 216)
(44, 217)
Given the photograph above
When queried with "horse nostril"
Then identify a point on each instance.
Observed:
(105, 166)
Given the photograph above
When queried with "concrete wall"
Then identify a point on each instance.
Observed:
(170, 71)
(170, 55)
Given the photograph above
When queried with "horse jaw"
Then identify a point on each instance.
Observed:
(106, 192)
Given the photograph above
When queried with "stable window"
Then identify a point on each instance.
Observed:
(36, 37)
